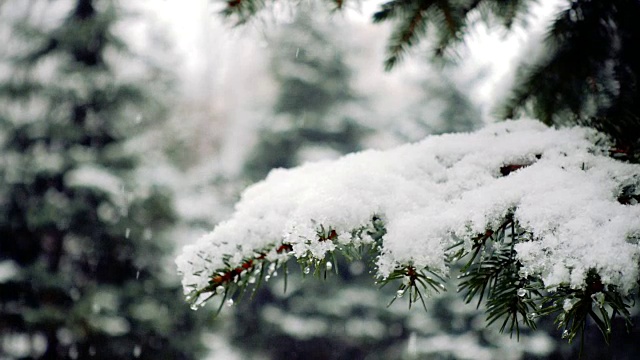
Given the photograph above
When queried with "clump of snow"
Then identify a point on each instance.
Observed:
(561, 187)
(568, 304)
(95, 177)
(8, 271)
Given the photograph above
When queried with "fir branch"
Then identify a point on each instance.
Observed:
(413, 26)
(242, 10)
(453, 20)
(573, 307)
(508, 11)
(496, 275)
(230, 280)
(233, 281)
(450, 19)
(563, 87)
(412, 280)
(492, 273)
(390, 10)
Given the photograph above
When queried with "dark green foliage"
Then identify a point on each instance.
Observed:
(589, 74)
(515, 298)
(599, 303)
(492, 270)
(84, 241)
(447, 20)
(415, 282)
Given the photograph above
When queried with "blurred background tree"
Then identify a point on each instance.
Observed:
(314, 114)
(83, 266)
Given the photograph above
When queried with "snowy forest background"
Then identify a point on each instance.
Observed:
(128, 129)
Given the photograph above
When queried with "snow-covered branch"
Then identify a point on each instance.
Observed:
(439, 200)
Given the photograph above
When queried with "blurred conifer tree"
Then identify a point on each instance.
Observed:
(315, 102)
(81, 247)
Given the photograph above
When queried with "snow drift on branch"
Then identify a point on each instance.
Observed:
(558, 184)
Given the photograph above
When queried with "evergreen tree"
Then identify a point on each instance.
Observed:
(81, 245)
(444, 108)
(312, 107)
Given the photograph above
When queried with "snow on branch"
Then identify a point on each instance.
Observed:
(443, 195)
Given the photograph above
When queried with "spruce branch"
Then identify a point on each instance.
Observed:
(575, 82)
(412, 281)
(411, 18)
(449, 18)
(242, 10)
(232, 282)
(492, 273)
(390, 10)
(413, 26)
(507, 11)
(598, 302)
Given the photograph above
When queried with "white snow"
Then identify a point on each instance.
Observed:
(95, 177)
(446, 187)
